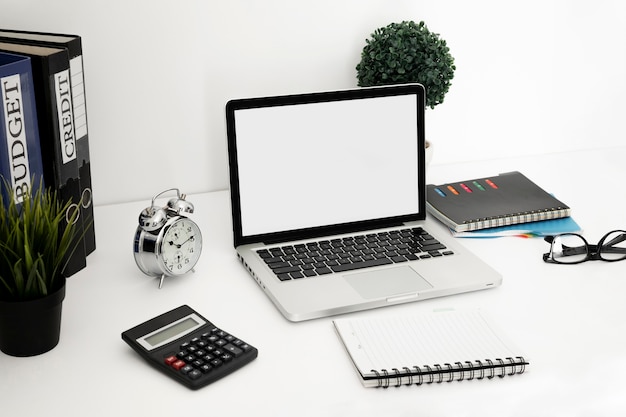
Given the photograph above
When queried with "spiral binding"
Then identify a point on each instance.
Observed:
(459, 371)
(517, 218)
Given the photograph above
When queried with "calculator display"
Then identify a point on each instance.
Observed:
(171, 332)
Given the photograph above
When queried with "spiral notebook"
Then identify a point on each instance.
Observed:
(501, 200)
(424, 349)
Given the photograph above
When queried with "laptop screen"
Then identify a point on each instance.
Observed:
(327, 161)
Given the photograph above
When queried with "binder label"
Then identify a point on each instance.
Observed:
(65, 114)
(78, 97)
(16, 136)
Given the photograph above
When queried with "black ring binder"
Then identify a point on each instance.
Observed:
(502, 366)
(450, 372)
(408, 372)
(429, 372)
(490, 367)
(460, 367)
(439, 373)
(481, 368)
(471, 370)
(419, 374)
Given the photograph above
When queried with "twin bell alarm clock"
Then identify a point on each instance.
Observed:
(167, 243)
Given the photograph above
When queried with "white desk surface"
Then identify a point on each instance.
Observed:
(569, 320)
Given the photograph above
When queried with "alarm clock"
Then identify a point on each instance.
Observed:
(167, 243)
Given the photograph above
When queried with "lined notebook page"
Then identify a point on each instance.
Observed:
(439, 338)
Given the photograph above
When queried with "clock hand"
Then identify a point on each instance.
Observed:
(179, 245)
(188, 239)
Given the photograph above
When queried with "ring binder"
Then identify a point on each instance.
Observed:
(431, 341)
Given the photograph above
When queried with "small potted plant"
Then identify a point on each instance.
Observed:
(407, 52)
(35, 241)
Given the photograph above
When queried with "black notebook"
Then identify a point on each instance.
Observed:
(501, 200)
(438, 347)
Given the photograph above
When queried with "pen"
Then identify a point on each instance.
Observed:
(452, 190)
(491, 184)
(480, 187)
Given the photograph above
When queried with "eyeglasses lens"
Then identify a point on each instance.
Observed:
(569, 248)
(614, 246)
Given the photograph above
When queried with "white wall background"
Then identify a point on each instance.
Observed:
(532, 77)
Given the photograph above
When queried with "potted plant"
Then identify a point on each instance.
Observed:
(408, 52)
(35, 241)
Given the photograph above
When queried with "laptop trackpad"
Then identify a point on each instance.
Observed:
(387, 282)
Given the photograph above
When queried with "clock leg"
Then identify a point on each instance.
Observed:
(161, 280)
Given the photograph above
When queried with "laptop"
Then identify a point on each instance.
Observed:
(328, 203)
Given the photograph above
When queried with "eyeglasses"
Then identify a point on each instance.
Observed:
(571, 248)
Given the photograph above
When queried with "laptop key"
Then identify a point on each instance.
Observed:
(398, 259)
(429, 248)
(359, 265)
(286, 270)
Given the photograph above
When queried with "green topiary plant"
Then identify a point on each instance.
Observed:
(407, 52)
(34, 243)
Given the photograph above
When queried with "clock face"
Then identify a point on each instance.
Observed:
(181, 246)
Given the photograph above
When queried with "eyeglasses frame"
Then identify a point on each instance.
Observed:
(593, 251)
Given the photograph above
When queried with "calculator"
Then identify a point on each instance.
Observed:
(189, 348)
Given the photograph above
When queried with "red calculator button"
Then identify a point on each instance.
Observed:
(171, 359)
(178, 364)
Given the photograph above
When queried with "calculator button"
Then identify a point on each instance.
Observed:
(171, 359)
(216, 362)
(178, 364)
(194, 374)
(206, 368)
(226, 357)
(186, 369)
(234, 350)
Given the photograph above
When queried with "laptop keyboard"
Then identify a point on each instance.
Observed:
(345, 254)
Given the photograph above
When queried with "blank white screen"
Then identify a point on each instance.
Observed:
(318, 164)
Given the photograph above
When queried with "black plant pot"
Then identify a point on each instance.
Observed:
(29, 328)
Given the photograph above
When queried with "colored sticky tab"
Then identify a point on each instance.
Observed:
(441, 193)
(477, 185)
(466, 188)
(453, 190)
(491, 184)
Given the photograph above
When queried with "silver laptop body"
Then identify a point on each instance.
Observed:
(327, 173)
